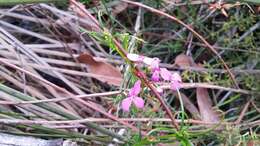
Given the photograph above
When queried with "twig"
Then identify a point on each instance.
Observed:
(250, 124)
(111, 93)
(190, 29)
(102, 120)
(239, 119)
(254, 105)
(207, 85)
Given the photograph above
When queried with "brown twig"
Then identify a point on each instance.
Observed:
(210, 86)
(254, 105)
(190, 29)
(239, 119)
(111, 93)
(105, 120)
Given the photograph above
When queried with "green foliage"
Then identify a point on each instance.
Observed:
(86, 1)
(153, 3)
(170, 137)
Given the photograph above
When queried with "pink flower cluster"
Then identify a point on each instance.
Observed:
(133, 97)
(153, 63)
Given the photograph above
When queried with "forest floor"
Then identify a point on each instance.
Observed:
(109, 72)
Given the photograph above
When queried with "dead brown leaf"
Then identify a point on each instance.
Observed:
(206, 112)
(183, 60)
(105, 72)
(205, 106)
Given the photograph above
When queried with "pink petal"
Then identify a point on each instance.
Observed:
(165, 74)
(156, 76)
(148, 60)
(155, 64)
(175, 85)
(135, 57)
(176, 77)
(134, 91)
(139, 102)
(126, 103)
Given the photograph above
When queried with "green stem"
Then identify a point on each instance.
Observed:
(250, 1)
(15, 2)
(182, 107)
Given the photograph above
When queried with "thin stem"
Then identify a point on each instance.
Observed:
(182, 106)
(210, 86)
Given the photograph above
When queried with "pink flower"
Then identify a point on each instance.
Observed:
(156, 76)
(132, 97)
(135, 57)
(152, 62)
(165, 74)
(155, 69)
(175, 81)
(175, 78)
(155, 64)
(148, 60)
